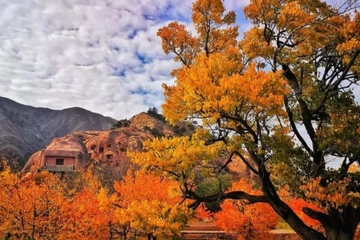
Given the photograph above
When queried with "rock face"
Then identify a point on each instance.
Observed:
(66, 154)
(106, 150)
(25, 129)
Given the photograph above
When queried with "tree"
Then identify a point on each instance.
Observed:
(280, 99)
(46, 207)
(150, 204)
(30, 209)
(82, 217)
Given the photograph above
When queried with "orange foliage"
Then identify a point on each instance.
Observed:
(82, 218)
(298, 205)
(333, 194)
(28, 209)
(250, 221)
(45, 208)
(151, 204)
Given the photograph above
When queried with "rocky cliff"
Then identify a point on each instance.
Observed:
(69, 149)
(107, 149)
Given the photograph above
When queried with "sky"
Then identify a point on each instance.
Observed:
(101, 55)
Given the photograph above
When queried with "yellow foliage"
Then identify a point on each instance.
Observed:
(150, 204)
(334, 194)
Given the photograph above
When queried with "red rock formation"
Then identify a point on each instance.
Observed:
(107, 149)
(63, 154)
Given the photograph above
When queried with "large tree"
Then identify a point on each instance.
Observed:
(280, 99)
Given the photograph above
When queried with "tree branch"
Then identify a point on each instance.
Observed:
(332, 87)
(236, 195)
(294, 128)
(321, 217)
(242, 158)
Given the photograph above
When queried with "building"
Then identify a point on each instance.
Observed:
(65, 154)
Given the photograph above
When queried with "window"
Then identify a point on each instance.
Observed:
(109, 145)
(109, 156)
(59, 161)
(101, 149)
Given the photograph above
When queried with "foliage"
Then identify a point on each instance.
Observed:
(295, 67)
(210, 186)
(154, 131)
(154, 113)
(46, 208)
(121, 123)
(250, 221)
(151, 204)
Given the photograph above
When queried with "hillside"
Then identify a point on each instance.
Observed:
(26, 129)
(106, 150)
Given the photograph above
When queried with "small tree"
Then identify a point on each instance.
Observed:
(152, 110)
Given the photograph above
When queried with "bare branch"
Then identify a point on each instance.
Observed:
(242, 158)
(293, 126)
(236, 195)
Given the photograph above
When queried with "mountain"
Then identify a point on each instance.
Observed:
(26, 129)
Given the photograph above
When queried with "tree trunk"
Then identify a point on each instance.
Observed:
(339, 234)
(284, 211)
(342, 224)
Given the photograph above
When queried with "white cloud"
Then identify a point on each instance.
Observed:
(100, 55)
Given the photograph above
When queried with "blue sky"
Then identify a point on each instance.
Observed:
(101, 55)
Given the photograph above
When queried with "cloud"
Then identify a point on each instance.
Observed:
(100, 55)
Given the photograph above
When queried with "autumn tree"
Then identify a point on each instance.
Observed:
(150, 204)
(30, 210)
(280, 99)
(45, 206)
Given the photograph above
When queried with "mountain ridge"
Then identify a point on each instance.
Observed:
(25, 129)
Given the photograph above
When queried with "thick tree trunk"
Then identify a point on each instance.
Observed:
(342, 224)
(284, 211)
(339, 224)
(338, 234)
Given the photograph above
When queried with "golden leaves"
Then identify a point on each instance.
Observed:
(293, 16)
(255, 45)
(177, 155)
(176, 39)
(45, 207)
(261, 91)
(260, 11)
(150, 203)
(334, 194)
